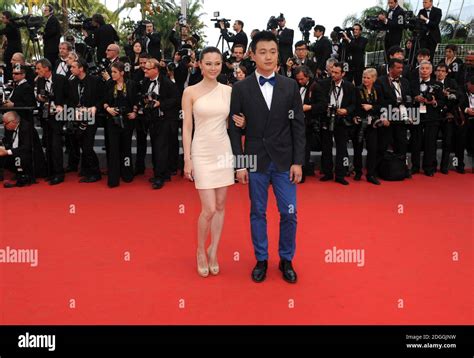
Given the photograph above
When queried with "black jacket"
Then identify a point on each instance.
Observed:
(432, 28)
(432, 113)
(93, 92)
(276, 135)
(52, 35)
(59, 86)
(388, 92)
(394, 27)
(169, 97)
(130, 100)
(322, 51)
(322, 95)
(285, 44)
(13, 35)
(153, 41)
(357, 52)
(101, 38)
(239, 38)
(456, 70)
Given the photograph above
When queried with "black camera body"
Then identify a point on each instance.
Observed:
(149, 98)
(413, 23)
(79, 21)
(272, 23)
(331, 118)
(99, 68)
(430, 90)
(218, 21)
(373, 23)
(119, 119)
(340, 32)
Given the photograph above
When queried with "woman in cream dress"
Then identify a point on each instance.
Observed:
(208, 154)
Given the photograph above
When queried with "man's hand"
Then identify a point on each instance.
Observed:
(342, 112)
(156, 104)
(222, 25)
(296, 173)
(420, 99)
(424, 18)
(382, 17)
(367, 107)
(307, 107)
(59, 109)
(242, 176)
(470, 111)
(9, 104)
(105, 76)
(3, 152)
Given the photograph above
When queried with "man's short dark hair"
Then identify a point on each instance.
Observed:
(238, 45)
(393, 61)
(359, 25)
(263, 36)
(395, 49)
(423, 52)
(341, 65)
(81, 63)
(305, 70)
(452, 47)
(144, 55)
(44, 62)
(240, 22)
(99, 19)
(7, 14)
(50, 8)
(443, 65)
(320, 28)
(301, 43)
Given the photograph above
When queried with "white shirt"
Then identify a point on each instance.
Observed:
(338, 90)
(398, 91)
(155, 88)
(15, 140)
(471, 100)
(267, 89)
(62, 67)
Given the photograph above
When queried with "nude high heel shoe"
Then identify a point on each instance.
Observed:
(214, 269)
(202, 267)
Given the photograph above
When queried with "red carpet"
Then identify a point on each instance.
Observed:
(408, 256)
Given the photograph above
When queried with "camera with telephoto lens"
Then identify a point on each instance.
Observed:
(373, 23)
(32, 24)
(96, 70)
(331, 118)
(118, 119)
(272, 23)
(412, 22)
(217, 21)
(340, 32)
(79, 21)
(429, 91)
(149, 100)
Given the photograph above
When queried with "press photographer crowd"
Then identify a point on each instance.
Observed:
(72, 85)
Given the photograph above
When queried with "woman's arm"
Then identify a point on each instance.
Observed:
(187, 114)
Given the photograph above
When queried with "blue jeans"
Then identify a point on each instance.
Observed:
(285, 193)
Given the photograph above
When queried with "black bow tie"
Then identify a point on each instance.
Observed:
(397, 80)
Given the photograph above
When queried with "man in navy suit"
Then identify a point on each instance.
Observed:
(275, 138)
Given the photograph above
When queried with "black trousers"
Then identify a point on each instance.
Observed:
(394, 136)
(340, 137)
(426, 135)
(52, 56)
(308, 165)
(89, 160)
(371, 139)
(54, 147)
(73, 148)
(454, 137)
(173, 153)
(119, 159)
(142, 130)
(160, 135)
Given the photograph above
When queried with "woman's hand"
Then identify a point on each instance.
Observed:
(111, 111)
(239, 120)
(188, 170)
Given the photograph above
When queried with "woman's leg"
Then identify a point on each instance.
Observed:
(216, 224)
(208, 210)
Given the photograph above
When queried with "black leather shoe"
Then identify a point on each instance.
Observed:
(152, 180)
(415, 171)
(373, 180)
(70, 169)
(9, 185)
(326, 178)
(342, 181)
(139, 171)
(460, 170)
(444, 171)
(56, 180)
(429, 174)
(158, 184)
(289, 274)
(259, 272)
(91, 179)
(357, 176)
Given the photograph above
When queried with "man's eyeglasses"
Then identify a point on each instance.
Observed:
(17, 73)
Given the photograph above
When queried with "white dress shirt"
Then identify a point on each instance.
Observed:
(267, 89)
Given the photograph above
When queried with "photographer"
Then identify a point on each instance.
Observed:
(285, 39)
(61, 67)
(321, 48)
(51, 35)
(18, 59)
(393, 24)
(428, 100)
(13, 45)
(356, 54)
(455, 64)
(301, 58)
(430, 37)
(467, 107)
(152, 41)
(85, 97)
(423, 54)
(240, 36)
(304, 77)
(23, 94)
(120, 103)
(396, 100)
(452, 123)
(161, 103)
(52, 95)
(368, 122)
(334, 99)
(20, 151)
(103, 35)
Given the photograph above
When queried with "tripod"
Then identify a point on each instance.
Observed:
(221, 41)
(415, 46)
